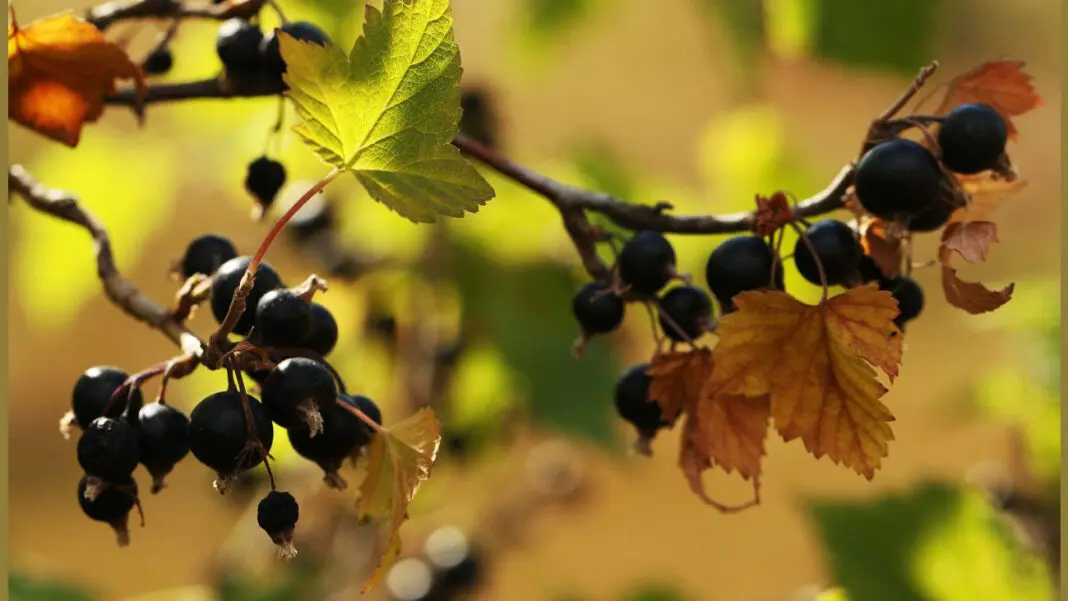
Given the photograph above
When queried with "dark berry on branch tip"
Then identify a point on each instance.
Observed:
(264, 177)
(238, 45)
(972, 138)
(898, 178)
(632, 400)
(933, 218)
(108, 449)
(163, 434)
(323, 336)
(296, 393)
(909, 296)
(205, 254)
(869, 270)
(283, 319)
(159, 62)
(218, 433)
(687, 308)
(277, 514)
(343, 432)
(93, 391)
(110, 505)
(226, 281)
(740, 264)
(367, 406)
(647, 262)
(597, 310)
(271, 51)
(837, 250)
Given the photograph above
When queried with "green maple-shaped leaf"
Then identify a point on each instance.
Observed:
(388, 111)
(396, 463)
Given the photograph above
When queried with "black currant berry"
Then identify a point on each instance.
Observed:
(898, 178)
(688, 309)
(323, 335)
(457, 564)
(277, 515)
(836, 247)
(238, 45)
(367, 406)
(933, 218)
(219, 435)
(647, 262)
(92, 393)
(869, 270)
(205, 254)
(296, 393)
(159, 62)
(909, 296)
(264, 177)
(226, 280)
(163, 433)
(597, 310)
(301, 30)
(740, 264)
(342, 433)
(477, 120)
(972, 138)
(108, 449)
(632, 400)
(111, 505)
(283, 319)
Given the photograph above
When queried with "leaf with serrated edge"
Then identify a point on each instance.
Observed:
(973, 297)
(731, 430)
(1002, 84)
(811, 360)
(60, 68)
(678, 379)
(388, 111)
(398, 461)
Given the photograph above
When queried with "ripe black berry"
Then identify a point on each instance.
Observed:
(869, 270)
(283, 319)
(159, 62)
(205, 254)
(477, 120)
(219, 435)
(264, 177)
(110, 505)
(836, 248)
(238, 46)
(933, 218)
(647, 262)
(972, 138)
(597, 310)
(93, 391)
(323, 335)
(740, 264)
(226, 280)
(898, 178)
(342, 433)
(273, 63)
(108, 449)
(688, 309)
(164, 440)
(909, 296)
(277, 515)
(367, 406)
(296, 393)
(632, 400)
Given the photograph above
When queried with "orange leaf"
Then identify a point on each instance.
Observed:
(60, 70)
(695, 457)
(815, 362)
(986, 193)
(971, 239)
(884, 249)
(973, 297)
(731, 430)
(1002, 84)
(679, 380)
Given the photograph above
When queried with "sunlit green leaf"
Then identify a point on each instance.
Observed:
(388, 110)
(22, 587)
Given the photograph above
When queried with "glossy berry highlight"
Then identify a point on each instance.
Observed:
(283, 319)
(296, 393)
(226, 280)
(108, 449)
(343, 433)
(237, 43)
(163, 437)
(972, 138)
(897, 179)
(92, 394)
(219, 435)
(277, 515)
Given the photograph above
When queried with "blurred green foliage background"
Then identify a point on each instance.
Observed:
(703, 103)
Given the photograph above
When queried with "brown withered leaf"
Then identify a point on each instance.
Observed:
(1002, 84)
(815, 362)
(60, 68)
(772, 213)
(970, 239)
(986, 193)
(695, 458)
(973, 297)
(731, 431)
(679, 379)
(883, 247)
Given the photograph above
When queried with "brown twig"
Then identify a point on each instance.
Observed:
(109, 13)
(118, 289)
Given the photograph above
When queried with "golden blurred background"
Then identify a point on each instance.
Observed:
(674, 101)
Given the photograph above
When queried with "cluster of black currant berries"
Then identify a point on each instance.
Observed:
(229, 431)
(898, 180)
